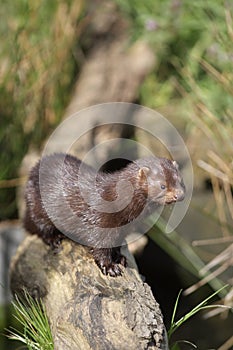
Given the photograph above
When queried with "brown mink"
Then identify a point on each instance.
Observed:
(65, 197)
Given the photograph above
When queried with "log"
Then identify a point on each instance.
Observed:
(86, 309)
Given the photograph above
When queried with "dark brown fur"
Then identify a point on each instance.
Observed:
(64, 197)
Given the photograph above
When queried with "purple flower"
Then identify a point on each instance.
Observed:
(151, 25)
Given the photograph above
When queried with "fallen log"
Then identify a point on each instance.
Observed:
(86, 309)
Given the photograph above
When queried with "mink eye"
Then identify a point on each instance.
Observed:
(163, 187)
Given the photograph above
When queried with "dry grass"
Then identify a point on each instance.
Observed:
(217, 126)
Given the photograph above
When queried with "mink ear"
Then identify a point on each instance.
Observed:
(144, 170)
(175, 164)
(142, 173)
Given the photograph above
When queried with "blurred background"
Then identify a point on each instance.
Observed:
(173, 56)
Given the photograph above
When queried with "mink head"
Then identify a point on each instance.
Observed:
(164, 181)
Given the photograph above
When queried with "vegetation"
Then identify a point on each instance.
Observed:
(31, 315)
(176, 324)
(39, 42)
(183, 35)
(36, 333)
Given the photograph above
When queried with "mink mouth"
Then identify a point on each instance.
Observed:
(170, 201)
(173, 200)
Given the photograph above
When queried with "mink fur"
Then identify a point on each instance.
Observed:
(64, 197)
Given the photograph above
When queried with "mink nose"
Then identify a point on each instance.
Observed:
(179, 195)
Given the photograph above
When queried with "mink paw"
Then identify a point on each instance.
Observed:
(121, 259)
(109, 260)
(56, 245)
(112, 270)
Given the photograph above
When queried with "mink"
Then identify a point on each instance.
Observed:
(66, 198)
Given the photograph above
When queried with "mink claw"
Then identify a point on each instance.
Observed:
(114, 271)
(123, 261)
(104, 270)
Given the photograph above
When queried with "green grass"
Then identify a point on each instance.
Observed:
(178, 31)
(175, 324)
(31, 315)
(36, 333)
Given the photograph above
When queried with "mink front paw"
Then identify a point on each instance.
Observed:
(109, 260)
(112, 269)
